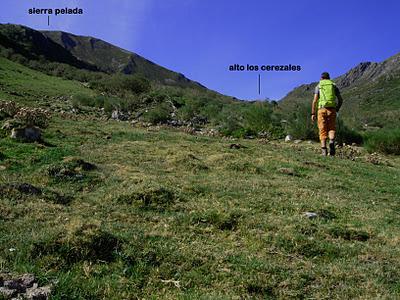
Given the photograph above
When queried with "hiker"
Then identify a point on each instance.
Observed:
(325, 95)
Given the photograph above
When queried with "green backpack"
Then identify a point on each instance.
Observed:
(327, 94)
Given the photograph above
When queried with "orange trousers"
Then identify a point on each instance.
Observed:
(326, 122)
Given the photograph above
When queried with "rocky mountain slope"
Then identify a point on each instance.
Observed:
(87, 53)
(371, 92)
(33, 45)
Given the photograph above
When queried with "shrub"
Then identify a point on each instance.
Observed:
(346, 135)
(82, 100)
(231, 122)
(384, 140)
(159, 114)
(259, 120)
(300, 125)
(119, 83)
(259, 117)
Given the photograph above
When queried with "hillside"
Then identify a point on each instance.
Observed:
(105, 210)
(110, 58)
(86, 53)
(33, 45)
(370, 90)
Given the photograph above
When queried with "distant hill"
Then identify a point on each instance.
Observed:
(33, 45)
(371, 93)
(86, 53)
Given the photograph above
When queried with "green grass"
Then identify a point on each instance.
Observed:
(33, 88)
(166, 215)
(384, 141)
(188, 217)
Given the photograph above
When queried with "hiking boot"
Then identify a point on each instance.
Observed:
(332, 150)
(324, 151)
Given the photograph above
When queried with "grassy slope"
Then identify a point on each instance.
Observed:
(34, 88)
(231, 227)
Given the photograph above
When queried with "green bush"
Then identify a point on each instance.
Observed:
(109, 103)
(300, 125)
(246, 119)
(346, 135)
(259, 117)
(82, 100)
(231, 122)
(159, 114)
(384, 140)
(121, 84)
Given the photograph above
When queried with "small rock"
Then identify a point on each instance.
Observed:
(86, 166)
(297, 141)
(119, 116)
(310, 215)
(41, 293)
(287, 171)
(264, 134)
(288, 138)
(12, 285)
(28, 134)
(7, 293)
(28, 280)
(8, 125)
(236, 146)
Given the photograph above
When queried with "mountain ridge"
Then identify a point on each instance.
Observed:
(86, 52)
(97, 52)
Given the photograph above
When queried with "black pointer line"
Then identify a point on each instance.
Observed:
(259, 84)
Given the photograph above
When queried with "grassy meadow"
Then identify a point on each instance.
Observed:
(169, 215)
(105, 210)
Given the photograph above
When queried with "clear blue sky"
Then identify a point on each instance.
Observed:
(201, 38)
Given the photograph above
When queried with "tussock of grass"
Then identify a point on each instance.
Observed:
(188, 162)
(349, 234)
(21, 192)
(245, 166)
(150, 198)
(222, 221)
(86, 242)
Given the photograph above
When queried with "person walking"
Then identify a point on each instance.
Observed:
(324, 102)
